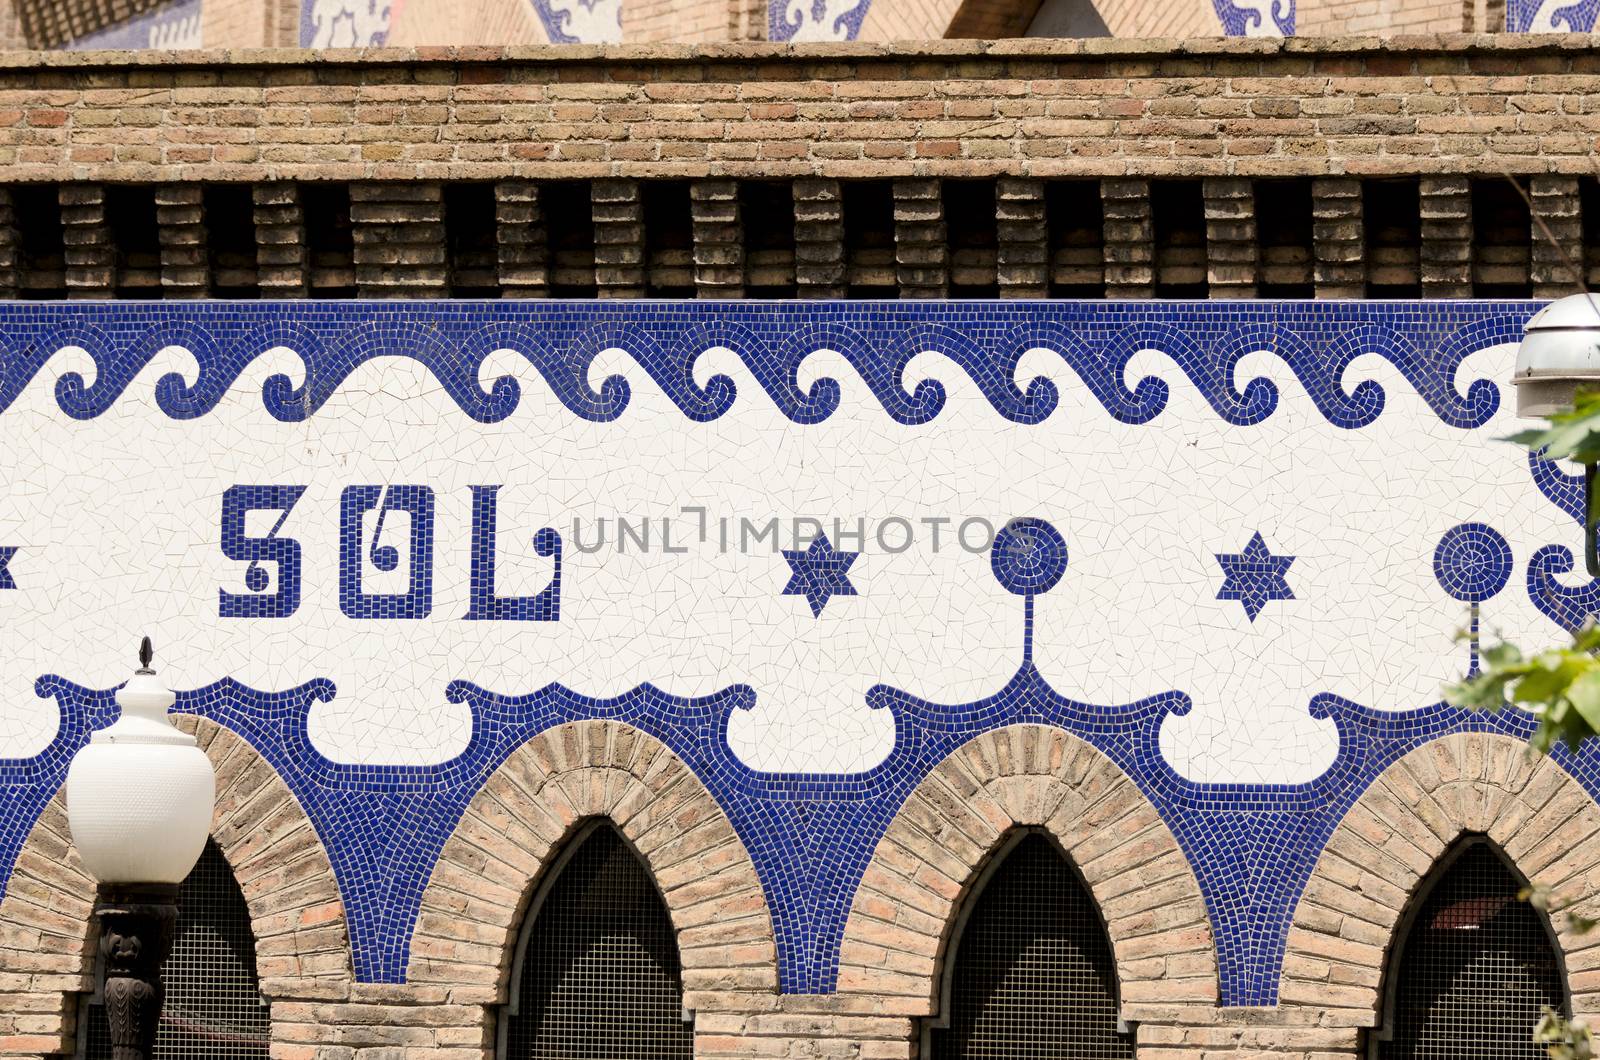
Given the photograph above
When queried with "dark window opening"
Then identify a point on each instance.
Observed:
(1032, 973)
(1075, 217)
(1284, 233)
(1589, 216)
(135, 240)
(214, 1009)
(869, 240)
(569, 225)
(1476, 966)
(1178, 219)
(597, 975)
(1391, 212)
(231, 240)
(41, 246)
(472, 240)
(668, 239)
(972, 228)
(766, 213)
(1502, 239)
(330, 239)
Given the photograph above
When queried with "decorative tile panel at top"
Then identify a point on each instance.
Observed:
(365, 537)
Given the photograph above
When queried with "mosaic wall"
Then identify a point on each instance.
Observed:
(1551, 16)
(344, 23)
(811, 547)
(174, 25)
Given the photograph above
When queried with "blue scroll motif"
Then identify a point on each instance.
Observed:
(1551, 16)
(811, 836)
(561, 341)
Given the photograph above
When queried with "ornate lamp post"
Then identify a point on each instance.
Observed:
(139, 802)
(1560, 354)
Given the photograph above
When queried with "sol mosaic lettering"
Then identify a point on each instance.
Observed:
(1228, 544)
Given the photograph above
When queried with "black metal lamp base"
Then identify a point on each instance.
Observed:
(137, 924)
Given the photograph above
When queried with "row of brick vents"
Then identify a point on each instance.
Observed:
(1476, 970)
(599, 975)
(214, 1009)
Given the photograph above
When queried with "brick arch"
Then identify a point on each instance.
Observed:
(514, 827)
(1345, 923)
(936, 847)
(47, 935)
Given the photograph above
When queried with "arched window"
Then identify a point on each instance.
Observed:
(1474, 966)
(214, 1009)
(596, 973)
(1031, 972)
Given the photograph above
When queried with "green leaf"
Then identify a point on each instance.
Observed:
(1585, 695)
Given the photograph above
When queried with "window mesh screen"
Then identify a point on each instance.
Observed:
(1033, 973)
(600, 977)
(213, 1007)
(1476, 969)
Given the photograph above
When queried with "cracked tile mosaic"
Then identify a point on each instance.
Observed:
(812, 548)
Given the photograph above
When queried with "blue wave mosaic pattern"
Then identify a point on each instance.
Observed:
(1252, 847)
(1318, 341)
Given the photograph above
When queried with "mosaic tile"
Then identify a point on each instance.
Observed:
(389, 543)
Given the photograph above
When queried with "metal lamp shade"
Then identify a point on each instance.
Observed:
(1560, 354)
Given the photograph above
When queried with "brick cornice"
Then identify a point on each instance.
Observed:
(1432, 105)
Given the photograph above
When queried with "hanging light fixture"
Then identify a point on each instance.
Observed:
(1560, 355)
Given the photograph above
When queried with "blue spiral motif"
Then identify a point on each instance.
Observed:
(1472, 562)
(1028, 556)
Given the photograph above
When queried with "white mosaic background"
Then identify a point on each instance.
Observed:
(117, 519)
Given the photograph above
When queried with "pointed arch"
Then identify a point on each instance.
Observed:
(1351, 909)
(1472, 966)
(47, 935)
(951, 826)
(1029, 969)
(516, 826)
(596, 968)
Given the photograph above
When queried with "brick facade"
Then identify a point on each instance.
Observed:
(900, 924)
(47, 938)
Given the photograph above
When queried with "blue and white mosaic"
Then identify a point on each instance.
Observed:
(580, 21)
(810, 547)
(344, 23)
(801, 21)
(172, 26)
(1255, 18)
(1551, 16)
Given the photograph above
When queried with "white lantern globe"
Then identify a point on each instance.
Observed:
(141, 794)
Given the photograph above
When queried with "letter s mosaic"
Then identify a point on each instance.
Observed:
(810, 547)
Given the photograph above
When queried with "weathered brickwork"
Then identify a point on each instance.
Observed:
(1028, 776)
(47, 937)
(474, 903)
(1544, 821)
(1428, 106)
(897, 936)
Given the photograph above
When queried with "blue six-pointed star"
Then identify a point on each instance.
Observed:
(1255, 576)
(819, 573)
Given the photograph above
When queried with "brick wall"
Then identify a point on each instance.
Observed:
(1423, 105)
(902, 918)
